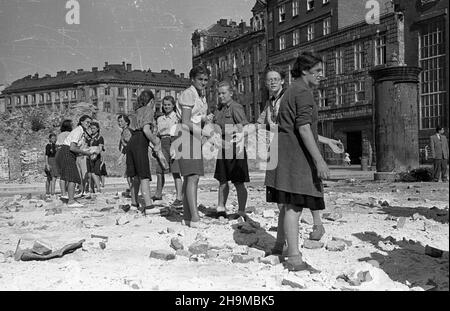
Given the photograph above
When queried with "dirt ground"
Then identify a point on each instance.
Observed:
(386, 254)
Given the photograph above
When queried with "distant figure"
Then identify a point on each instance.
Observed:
(347, 160)
(50, 166)
(103, 173)
(439, 154)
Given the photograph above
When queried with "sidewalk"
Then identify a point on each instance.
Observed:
(119, 183)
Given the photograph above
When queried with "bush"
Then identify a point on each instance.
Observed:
(37, 123)
(417, 175)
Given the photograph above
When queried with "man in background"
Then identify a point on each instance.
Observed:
(439, 154)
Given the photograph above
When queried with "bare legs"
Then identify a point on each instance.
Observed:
(71, 192)
(291, 228)
(242, 197)
(241, 192)
(190, 210)
(63, 187)
(178, 186)
(160, 181)
(224, 190)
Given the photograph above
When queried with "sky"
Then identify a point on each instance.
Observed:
(149, 34)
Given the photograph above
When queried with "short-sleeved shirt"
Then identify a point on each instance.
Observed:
(232, 113)
(96, 141)
(270, 112)
(190, 99)
(77, 136)
(165, 122)
(61, 137)
(50, 150)
(142, 116)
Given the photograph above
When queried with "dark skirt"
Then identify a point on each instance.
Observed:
(174, 165)
(53, 167)
(138, 161)
(234, 170)
(165, 148)
(103, 171)
(192, 163)
(93, 166)
(67, 163)
(299, 200)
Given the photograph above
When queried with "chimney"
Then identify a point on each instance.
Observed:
(36, 76)
(242, 27)
(61, 73)
(129, 69)
(123, 64)
(94, 69)
(106, 66)
(222, 22)
(182, 75)
(172, 71)
(80, 70)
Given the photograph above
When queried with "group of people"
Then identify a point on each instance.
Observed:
(75, 157)
(294, 184)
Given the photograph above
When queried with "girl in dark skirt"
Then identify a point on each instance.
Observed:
(66, 128)
(94, 162)
(138, 161)
(67, 157)
(50, 165)
(296, 182)
(235, 168)
(163, 126)
(192, 110)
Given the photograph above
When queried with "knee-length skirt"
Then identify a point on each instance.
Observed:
(138, 161)
(67, 163)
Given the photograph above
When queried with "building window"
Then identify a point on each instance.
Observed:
(432, 59)
(271, 45)
(107, 91)
(309, 5)
(323, 100)
(327, 26)
(241, 86)
(359, 56)
(324, 66)
(380, 50)
(107, 107)
(18, 100)
(340, 95)
(121, 107)
(120, 91)
(281, 13)
(270, 17)
(295, 6)
(134, 93)
(310, 32)
(41, 98)
(339, 61)
(296, 37)
(282, 42)
(360, 93)
(25, 99)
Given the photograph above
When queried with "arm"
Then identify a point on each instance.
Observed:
(310, 143)
(76, 149)
(335, 145)
(150, 135)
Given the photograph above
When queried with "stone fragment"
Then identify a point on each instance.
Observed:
(200, 237)
(176, 244)
(374, 263)
(269, 213)
(41, 248)
(53, 211)
(111, 201)
(413, 199)
(336, 215)
(293, 281)
(349, 243)
(417, 216)
(310, 244)
(401, 222)
(237, 258)
(250, 209)
(270, 260)
(433, 252)
(198, 247)
(256, 253)
(102, 245)
(212, 254)
(106, 209)
(384, 203)
(122, 221)
(125, 207)
(241, 249)
(336, 246)
(386, 246)
(162, 255)
(183, 253)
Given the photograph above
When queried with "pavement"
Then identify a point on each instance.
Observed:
(113, 184)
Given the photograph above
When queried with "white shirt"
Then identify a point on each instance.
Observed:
(165, 123)
(76, 136)
(192, 100)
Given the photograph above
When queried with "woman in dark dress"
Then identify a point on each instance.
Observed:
(50, 165)
(296, 182)
(94, 162)
(138, 161)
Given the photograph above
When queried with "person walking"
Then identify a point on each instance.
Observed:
(67, 158)
(192, 111)
(137, 158)
(439, 154)
(164, 125)
(66, 128)
(235, 167)
(50, 166)
(296, 182)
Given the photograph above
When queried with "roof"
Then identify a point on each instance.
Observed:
(259, 6)
(110, 74)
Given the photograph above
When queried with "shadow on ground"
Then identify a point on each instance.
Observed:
(251, 234)
(405, 261)
(436, 214)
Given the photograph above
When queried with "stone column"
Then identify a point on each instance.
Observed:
(396, 120)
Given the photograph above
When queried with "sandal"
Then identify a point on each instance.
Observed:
(317, 233)
(295, 263)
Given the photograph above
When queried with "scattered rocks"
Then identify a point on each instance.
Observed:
(241, 249)
(200, 237)
(384, 203)
(183, 253)
(212, 254)
(122, 221)
(199, 247)
(53, 211)
(111, 201)
(162, 255)
(242, 258)
(401, 222)
(356, 278)
(310, 244)
(336, 246)
(433, 252)
(347, 242)
(293, 281)
(336, 215)
(41, 248)
(256, 253)
(417, 216)
(386, 246)
(176, 244)
(270, 260)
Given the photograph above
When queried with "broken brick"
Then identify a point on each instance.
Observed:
(199, 247)
(433, 252)
(176, 244)
(242, 259)
(310, 244)
(162, 255)
(336, 246)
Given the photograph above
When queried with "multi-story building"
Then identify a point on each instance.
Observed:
(113, 89)
(239, 56)
(351, 47)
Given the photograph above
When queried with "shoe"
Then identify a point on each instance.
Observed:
(64, 197)
(75, 205)
(125, 207)
(155, 198)
(295, 263)
(317, 233)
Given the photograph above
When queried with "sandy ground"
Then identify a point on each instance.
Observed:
(125, 264)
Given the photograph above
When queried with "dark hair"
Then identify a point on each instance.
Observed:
(199, 70)
(271, 68)
(66, 126)
(141, 101)
(51, 135)
(304, 62)
(438, 128)
(125, 118)
(169, 98)
(83, 118)
(95, 123)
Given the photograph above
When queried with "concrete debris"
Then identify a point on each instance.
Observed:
(41, 247)
(310, 244)
(433, 252)
(199, 247)
(256, 253)
(349, 243)
(269, 214)
(293, 281)
(336, 246)
(271, 260)
(242, 258)
(162, 255)
(176, 244)
(401, 222)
